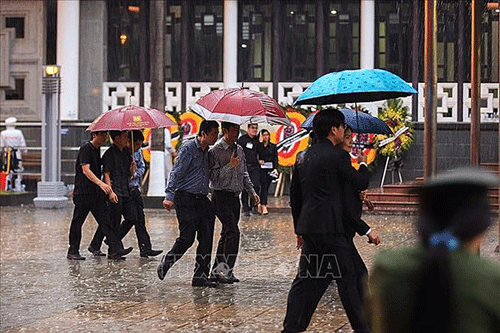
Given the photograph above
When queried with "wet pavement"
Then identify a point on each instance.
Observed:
(40, 290)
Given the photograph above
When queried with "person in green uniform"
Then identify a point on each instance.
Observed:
(441, 284)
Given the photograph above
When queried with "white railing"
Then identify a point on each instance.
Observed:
(288, 92)
(122, 93)
(115, 94)
(172, 95)
(488, 90)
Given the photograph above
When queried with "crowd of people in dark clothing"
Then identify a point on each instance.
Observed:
(108, 187)
(221, 175)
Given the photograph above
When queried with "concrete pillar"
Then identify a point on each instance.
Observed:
(68, 39)
(367, 34)
(230, 70)
(157, 174)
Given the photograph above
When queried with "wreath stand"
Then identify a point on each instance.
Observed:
(396, 169)
(280, 185)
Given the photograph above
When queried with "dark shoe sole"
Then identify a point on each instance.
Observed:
(151, 253)
(96, 253)
(74, 257)
(119, 254)
(163, 268)
(204, 283)
(221, 279)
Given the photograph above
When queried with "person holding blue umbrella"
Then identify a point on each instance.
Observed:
(326, 253)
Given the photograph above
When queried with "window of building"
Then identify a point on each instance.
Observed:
(255, 41)
(489, 47)
(343, 35)
(124, 40)
(207, 49)
(298, 35)
(16, 94)
(16, 23)
(173, 34)
(393, 42)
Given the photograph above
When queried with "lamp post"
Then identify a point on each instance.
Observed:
(50, 190)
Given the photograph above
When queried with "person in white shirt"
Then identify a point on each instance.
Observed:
(14, 138)
(170, 154)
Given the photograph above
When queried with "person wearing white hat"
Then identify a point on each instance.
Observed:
(14, 138)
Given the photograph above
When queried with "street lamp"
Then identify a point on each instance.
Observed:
(50, 190)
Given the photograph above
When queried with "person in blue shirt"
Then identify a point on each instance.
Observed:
(137, 205)
(187, 190)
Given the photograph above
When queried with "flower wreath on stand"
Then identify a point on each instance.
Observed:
(396, 117)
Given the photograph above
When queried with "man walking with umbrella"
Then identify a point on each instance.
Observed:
(187, 190)
(118, 167)
(326, 254)
(90, 195)
(228, 177)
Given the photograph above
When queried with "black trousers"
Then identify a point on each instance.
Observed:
(136, 219)
(324, 257)
(246, 201)
(227, 208)
(123, 207)
(196, 218)
(98, 205)
(359, 269)
(265, 181)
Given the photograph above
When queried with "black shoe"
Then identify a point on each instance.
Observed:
(96, 253)
(163, 267)
(233, 279)
(246, 213)
(120, 253)
(220, 278)
(254, 211)
(150, 253)
(203, 282)
(75, 256)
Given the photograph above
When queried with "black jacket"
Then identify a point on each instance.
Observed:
(322, 174)
(353, 208)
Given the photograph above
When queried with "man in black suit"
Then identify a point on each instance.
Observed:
(326, 252)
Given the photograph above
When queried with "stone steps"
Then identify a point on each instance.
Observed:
(401, 197)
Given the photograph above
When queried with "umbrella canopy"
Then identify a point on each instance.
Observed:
(130, 117)
(360, 122)
(240, 105)
(353, 86)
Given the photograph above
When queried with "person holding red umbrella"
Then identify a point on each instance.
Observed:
(228, 178)
(117, 167)
(90, 196)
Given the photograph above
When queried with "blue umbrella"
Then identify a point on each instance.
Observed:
(353, 86)
(360, 122)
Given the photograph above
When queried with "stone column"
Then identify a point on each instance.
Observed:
(367, 29)
(230, 60)
(68, 39)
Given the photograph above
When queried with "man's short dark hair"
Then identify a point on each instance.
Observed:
(206, 126)
(226, 125)
(252, 124)
(114, 134)
(325, 119)
(136, 135)
(96, 133)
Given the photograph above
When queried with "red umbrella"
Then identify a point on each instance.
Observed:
(240, 105)
(130, 117)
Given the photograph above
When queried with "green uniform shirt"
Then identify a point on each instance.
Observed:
(394, 282)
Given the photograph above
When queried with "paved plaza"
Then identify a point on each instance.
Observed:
(42, 291)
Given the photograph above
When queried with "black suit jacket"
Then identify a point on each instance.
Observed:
(322, 174)
(353, 208)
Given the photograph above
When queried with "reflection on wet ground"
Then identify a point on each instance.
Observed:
(43, 291)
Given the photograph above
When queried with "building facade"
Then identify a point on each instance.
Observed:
(276, 46)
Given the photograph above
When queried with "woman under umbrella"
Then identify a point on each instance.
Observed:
(268, 159)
